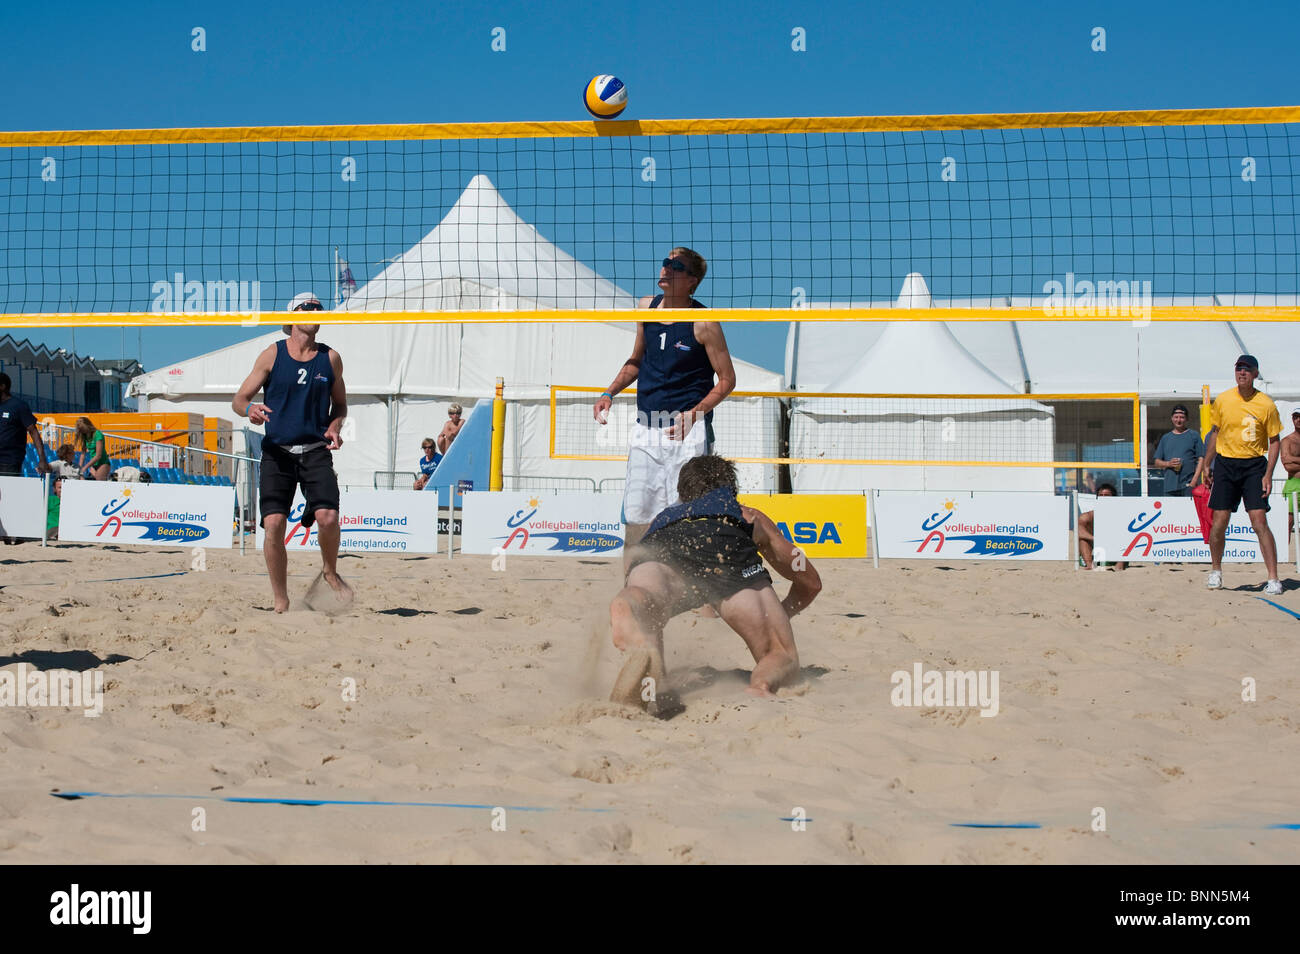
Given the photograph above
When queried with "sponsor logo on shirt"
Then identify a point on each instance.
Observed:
(682, 346)
(749, 571)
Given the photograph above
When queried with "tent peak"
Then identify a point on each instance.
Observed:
(915, 293)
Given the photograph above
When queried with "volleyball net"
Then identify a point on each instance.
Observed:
(1060, 431)
(1174, 215)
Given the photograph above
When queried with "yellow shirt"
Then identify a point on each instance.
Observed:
(1245, 427)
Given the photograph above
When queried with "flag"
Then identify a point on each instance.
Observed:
(347, 284)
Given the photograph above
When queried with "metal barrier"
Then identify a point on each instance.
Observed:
(388, 480)
(614, 482)
(574, 485)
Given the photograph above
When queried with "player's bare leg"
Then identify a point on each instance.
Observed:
(1218, 538)
(277, 560)
(327, 534)
(637, 616)
(761, 621)
(631, 537)
(1267, 545)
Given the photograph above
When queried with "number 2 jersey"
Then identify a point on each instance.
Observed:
(298, 394)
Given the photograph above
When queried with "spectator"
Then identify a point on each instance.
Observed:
(52, 509)
(1291, 461)
(66, 466)
(428, 462)
(450, 429)
(93, 459)
(17, 423)
(1178, 453)
(1086, 530)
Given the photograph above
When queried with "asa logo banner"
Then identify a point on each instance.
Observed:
(821, 525)
(1166, 529)
(370, 521)
(582, 525)
(160, 515)
(972, 526)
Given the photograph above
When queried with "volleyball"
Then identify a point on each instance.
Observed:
(605, 97)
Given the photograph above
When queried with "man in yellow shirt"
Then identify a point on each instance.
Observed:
(1245, 438)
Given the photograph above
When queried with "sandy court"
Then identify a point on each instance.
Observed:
(479, 688)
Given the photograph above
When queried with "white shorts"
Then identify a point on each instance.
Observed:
(653, 463)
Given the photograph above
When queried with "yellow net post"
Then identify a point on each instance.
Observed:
(495, 481)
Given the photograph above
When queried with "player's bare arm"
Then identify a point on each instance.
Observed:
(626, 375)
(243, 403)
(1274, 446)
(786, 559)
(338, 403)
(1203, 466)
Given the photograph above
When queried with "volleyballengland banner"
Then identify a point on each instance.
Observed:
(543, 524)
(22, 507)
(972, 526)
(370, 521)
(160, 515)
(1166, 529)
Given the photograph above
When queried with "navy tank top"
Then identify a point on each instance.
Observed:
(675, 373)
(720, 503)
(298, 394)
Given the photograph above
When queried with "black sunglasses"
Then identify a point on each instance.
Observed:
(676, 264)
(310, 306)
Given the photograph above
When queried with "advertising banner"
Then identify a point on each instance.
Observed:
(370, 521)
(161, 515)
(972, 526)
(821, 525)
(1166, 530)
(543, 524)
(22, 507)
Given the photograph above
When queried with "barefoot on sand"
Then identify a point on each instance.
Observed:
(328, 596)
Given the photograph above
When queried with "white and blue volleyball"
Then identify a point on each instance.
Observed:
(605, 97)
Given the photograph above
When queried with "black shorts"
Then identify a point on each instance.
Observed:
(1237, 479)
(283, 472)
(11, 467)
(716, 558)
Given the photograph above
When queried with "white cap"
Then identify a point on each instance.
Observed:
(300, 299)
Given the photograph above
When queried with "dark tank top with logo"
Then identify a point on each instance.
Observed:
(675, 374)
(298, 394)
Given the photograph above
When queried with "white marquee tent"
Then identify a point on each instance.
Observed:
(1158, 360)
(906, 358)
(402, 377)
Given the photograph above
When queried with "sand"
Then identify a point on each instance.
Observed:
(1120, 691)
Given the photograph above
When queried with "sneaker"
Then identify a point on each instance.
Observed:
(1215, 581)
(1273, 588)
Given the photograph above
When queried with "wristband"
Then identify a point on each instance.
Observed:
(607, 394)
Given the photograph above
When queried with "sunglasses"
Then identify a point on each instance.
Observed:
(676, 264)
(1243, 367)
(310, 306)
(426, 447)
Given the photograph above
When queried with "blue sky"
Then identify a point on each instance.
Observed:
(336, 63)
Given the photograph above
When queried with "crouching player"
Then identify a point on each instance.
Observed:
(709, 550)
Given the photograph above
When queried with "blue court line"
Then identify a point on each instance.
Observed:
(995, 825)
(1290, 612)
(116, 579)
(1288, 826)
(312, 802)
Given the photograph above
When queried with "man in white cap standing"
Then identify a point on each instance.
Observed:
(305, 403)
(1245, 441)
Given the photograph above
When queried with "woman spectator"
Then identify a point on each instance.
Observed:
(66, 466)
(93, 459)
